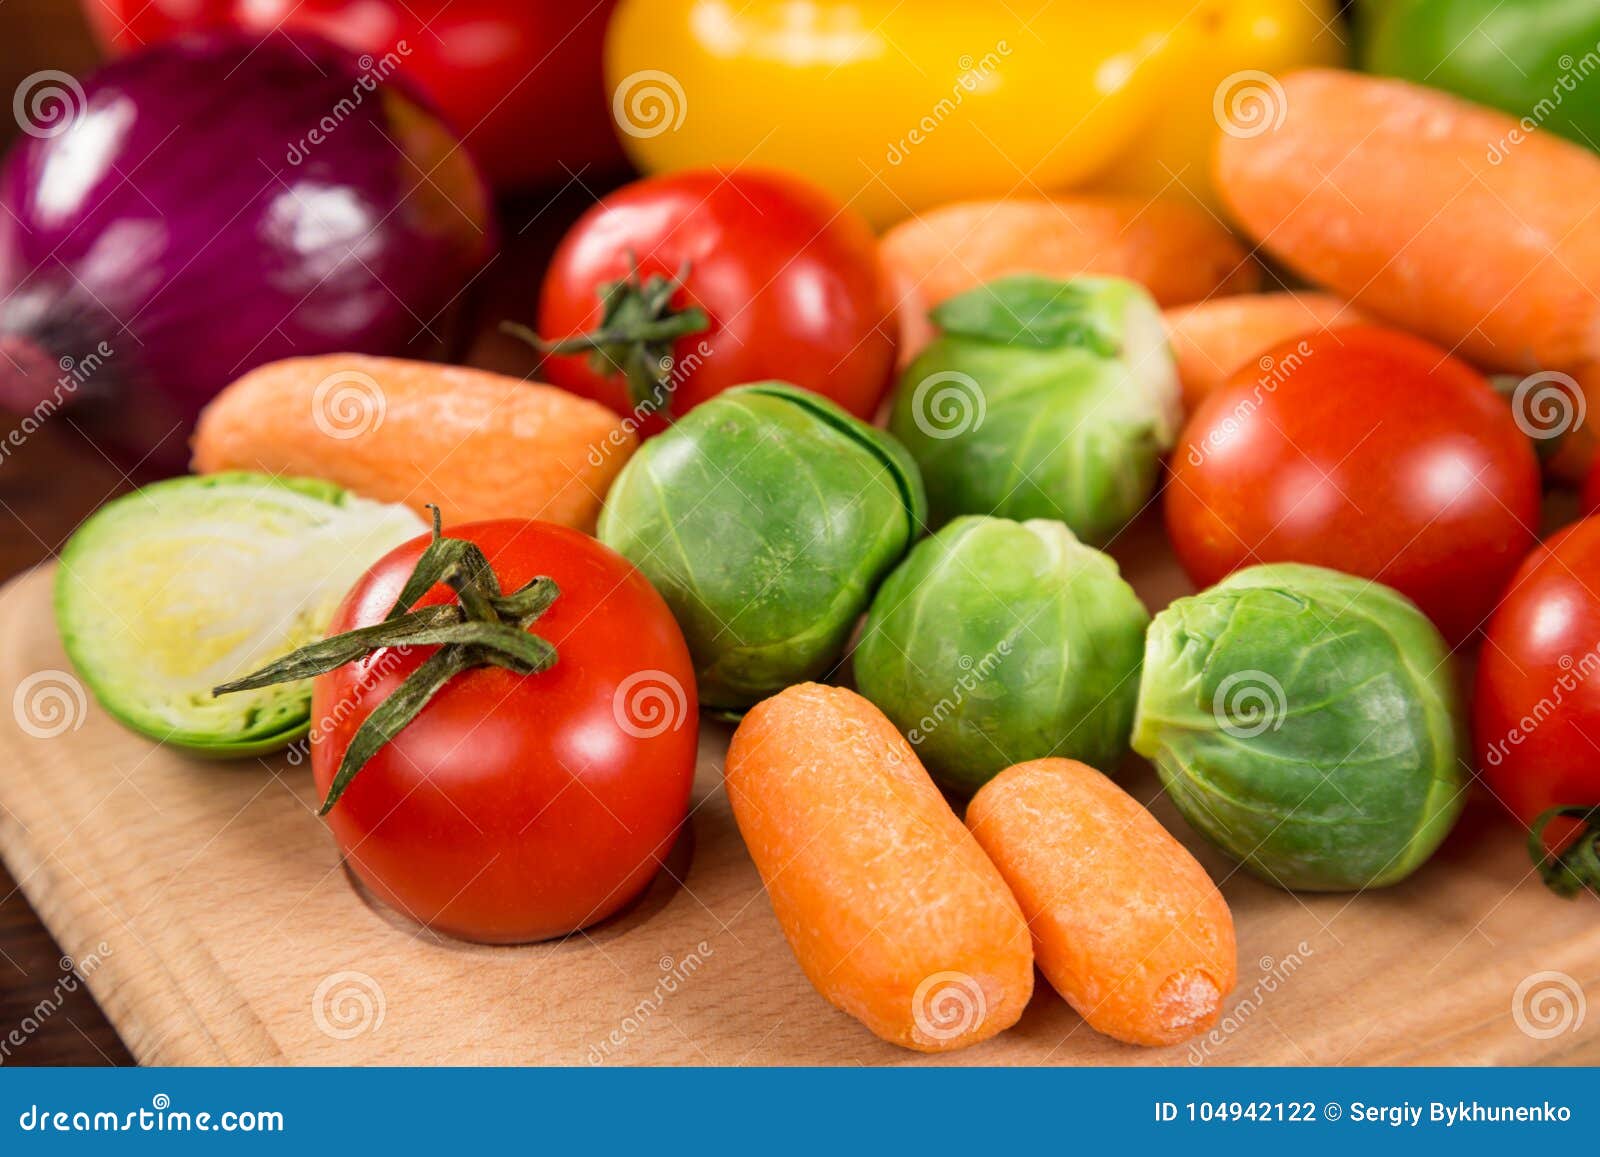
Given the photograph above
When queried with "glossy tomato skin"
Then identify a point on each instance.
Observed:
(790, 280)
(1367, 451)
(521, 79)
(1536, 707)
(518, 808)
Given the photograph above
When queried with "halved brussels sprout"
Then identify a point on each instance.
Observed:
(1042, 399)
(766, 517)
(187, 583)
(996, 642)
(1306, 722)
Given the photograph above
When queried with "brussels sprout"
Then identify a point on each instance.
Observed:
(1042, 399)
(175, 588)
(997, 642)
(766, 517)
(1305, 722)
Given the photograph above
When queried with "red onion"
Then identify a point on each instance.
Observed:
(209, 204)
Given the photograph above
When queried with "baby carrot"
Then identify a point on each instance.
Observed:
(1126, 925)
(893, 911)
(1213, 339)
(479, 445)
(1175, 250)
(1433, 213)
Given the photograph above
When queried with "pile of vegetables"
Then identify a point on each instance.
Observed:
(777, 454)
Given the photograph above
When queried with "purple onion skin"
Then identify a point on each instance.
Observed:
(209, 206)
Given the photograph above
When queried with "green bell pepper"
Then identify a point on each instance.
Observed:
(1535, 59)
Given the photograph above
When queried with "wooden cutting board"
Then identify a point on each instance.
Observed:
(208, 907)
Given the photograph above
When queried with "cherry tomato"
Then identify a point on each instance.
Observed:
(518, 807)
(788, 281)
(520, 79)
(1536, 709)
(1367, 451)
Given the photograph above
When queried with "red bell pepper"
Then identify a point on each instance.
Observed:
(520, 80)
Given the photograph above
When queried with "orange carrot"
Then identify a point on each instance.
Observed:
(477, 444)
(1126, 925)
(1175, 250)
(1430, 212)
(892, 910)
(1213, 339)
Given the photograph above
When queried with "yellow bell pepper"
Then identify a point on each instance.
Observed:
(895, 106)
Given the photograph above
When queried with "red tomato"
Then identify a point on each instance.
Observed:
(1536, 710)
(518, 807)
(789, 280)
(521, 80)
(1367, 451)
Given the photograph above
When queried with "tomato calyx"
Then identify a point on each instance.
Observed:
(638, 326)
(1577, 866)
(485, 628)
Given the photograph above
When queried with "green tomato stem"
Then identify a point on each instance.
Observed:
(638, 327)
(484, 629)
(1577, 866)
